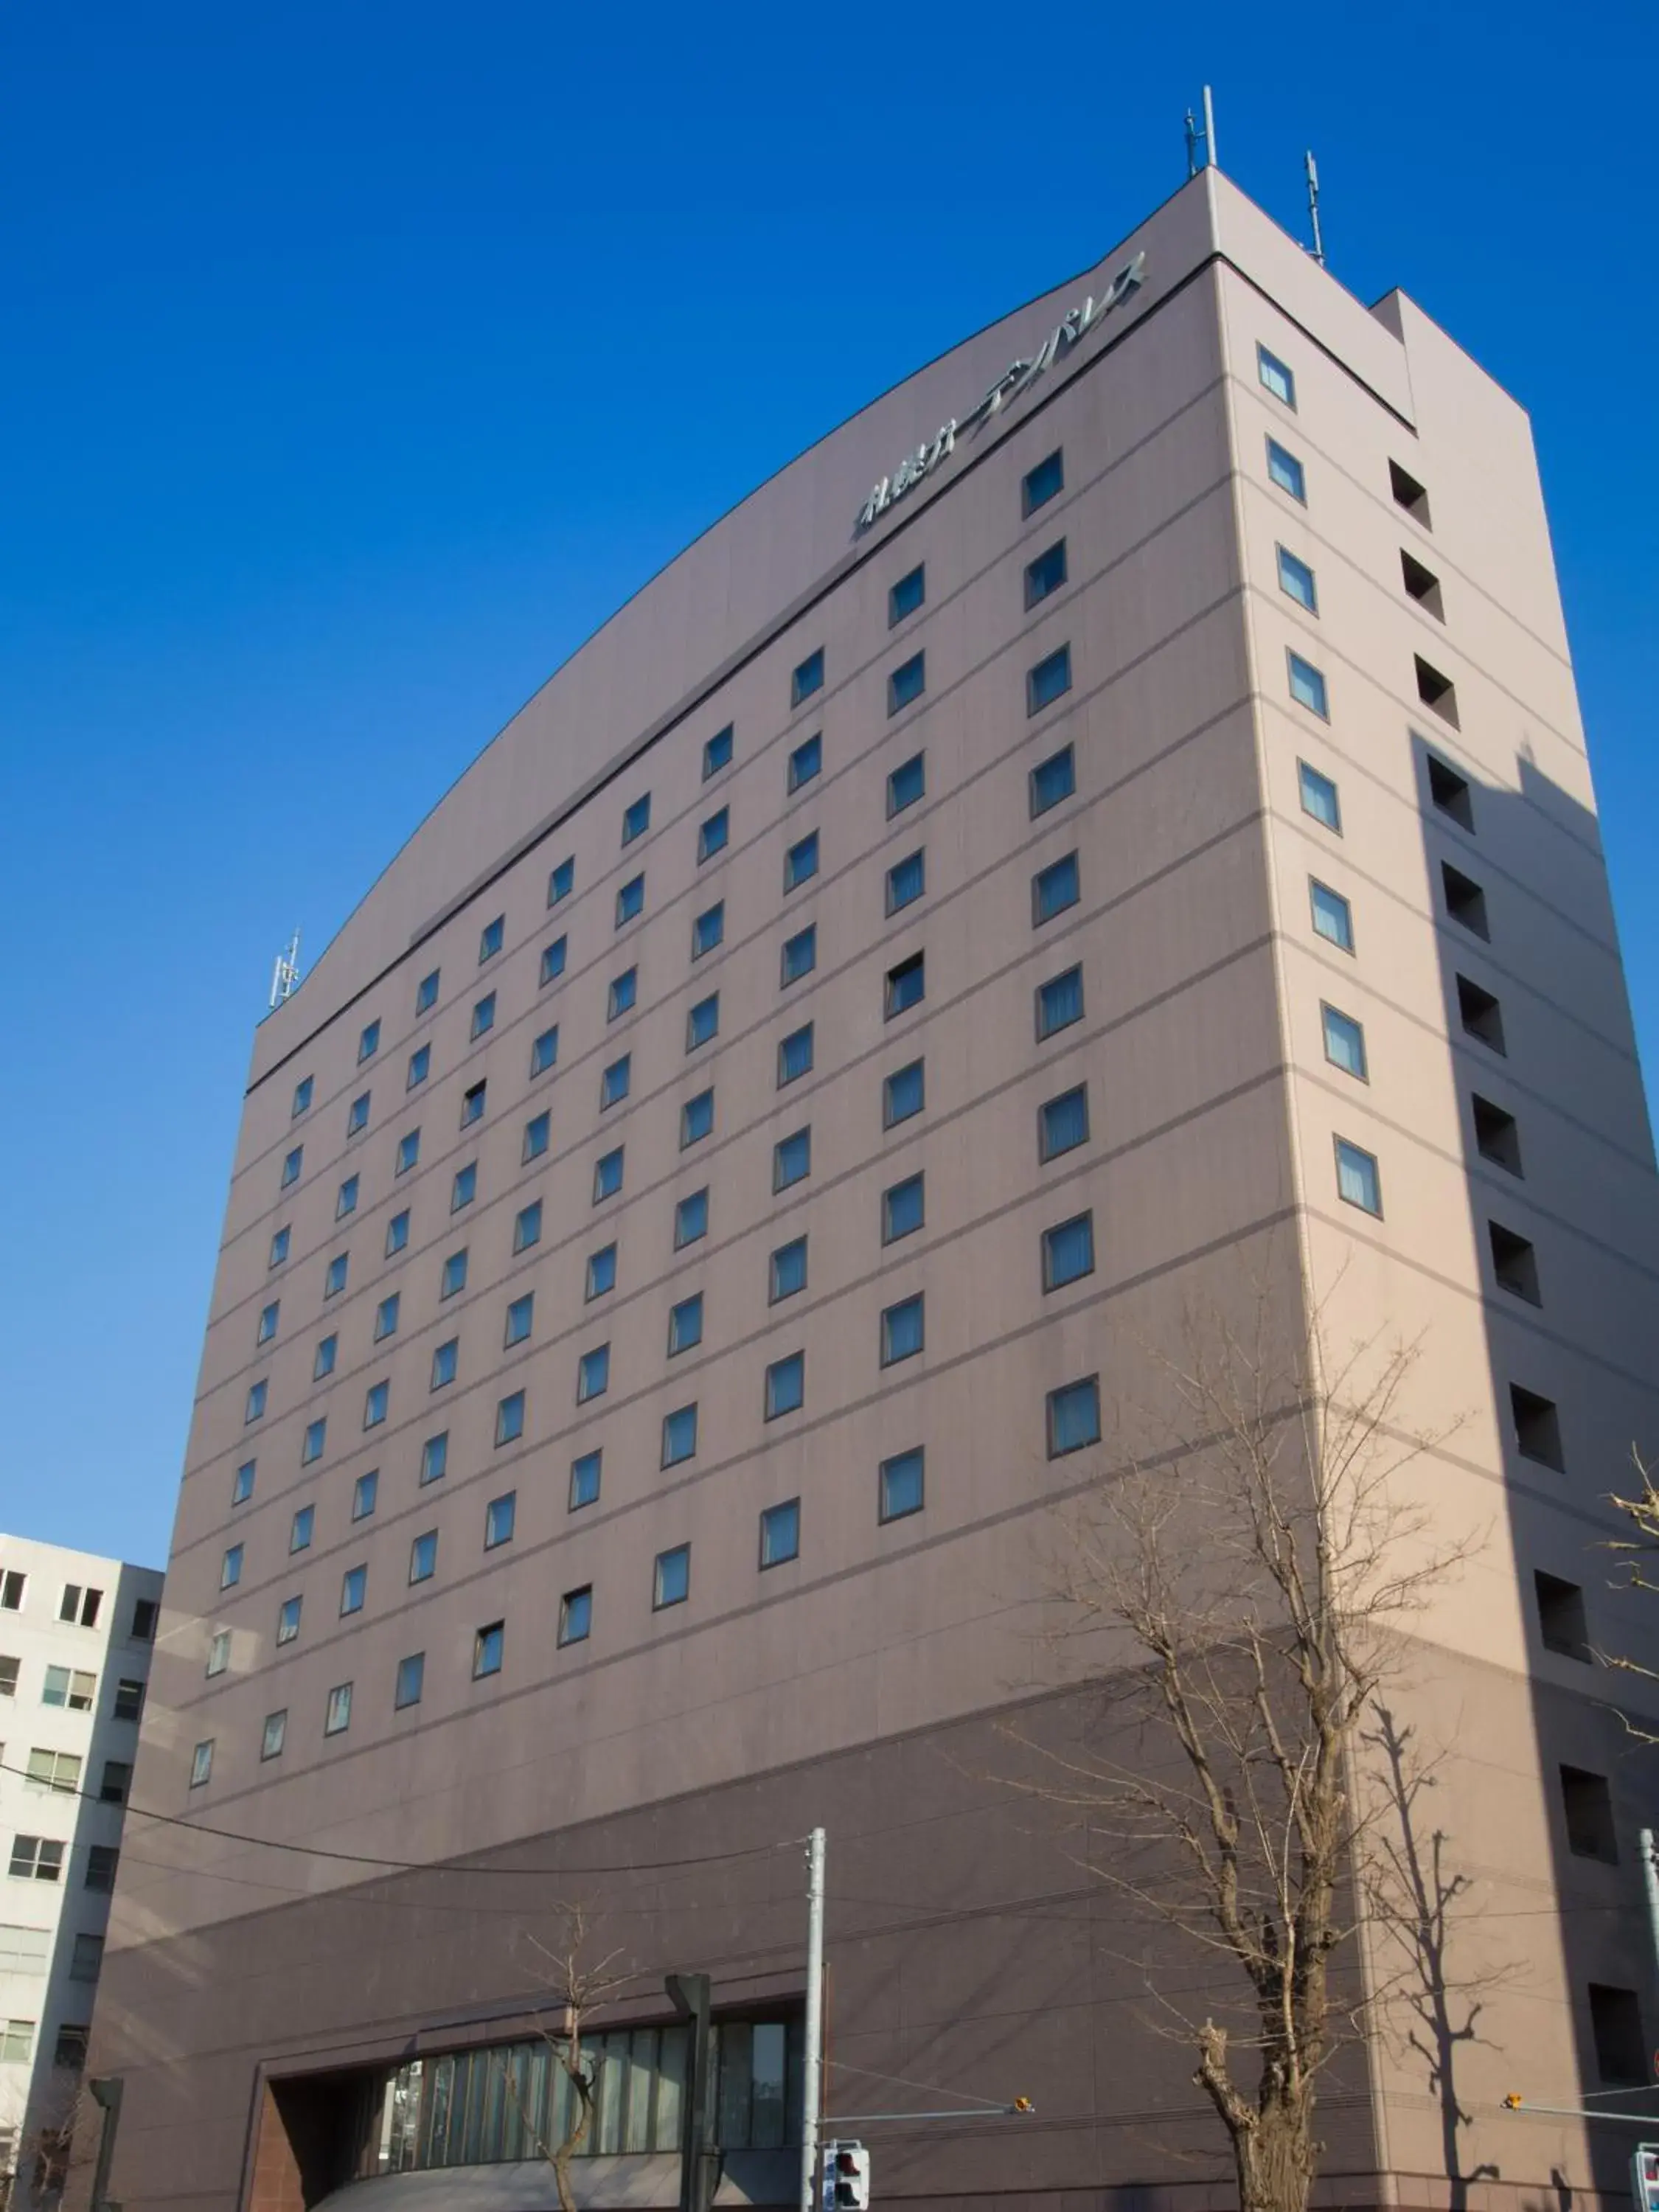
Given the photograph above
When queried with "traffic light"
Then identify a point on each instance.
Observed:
(1022, 2105)
(850, 2174)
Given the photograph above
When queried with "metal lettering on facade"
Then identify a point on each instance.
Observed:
(1018, 377)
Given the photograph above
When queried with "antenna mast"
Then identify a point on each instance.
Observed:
(285, 975)
(1204, 137)
(1317, 249)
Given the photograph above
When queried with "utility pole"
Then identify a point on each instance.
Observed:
(810, 2094)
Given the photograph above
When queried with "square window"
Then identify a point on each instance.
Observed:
(800, 956)
(630, 900)
(608, 1175)
(472, 1104)
(1409, 494)
(906, 985)
(410, 1681)
(791, 1159)
(311, 1448)
(907, 682)
(287, 1620)
(201, 1764)
(800, 862)
(1296, 581)
(1046, 574)
(369, 1042)
(396, 1237)
(576, 1615)
(780, 1534)
(1466, 901)
(454, 1275)
(625, 989)
(553, 960)
(1562, 1623)
(408, 1151)
(1357, 1179)
(322, 1365)
(434, 1458)
(807, 678)
(805, 761)
(271, 1736)
(904, 1092)
(585, 1473)
(907, 880)
(254, 1408)
(593, 1374)
(713, 836)
(488, 1649)
(1052, 779)
(613, 1083)
(242, 1487)
(465, 1188)
(420, 1066)
(545, 1051)
(1344, 1041)
(1451, 791)
(1318, 796)
(686, 1324)
(291, 1166)
(902, 1209)
(691, 1219)
(1073, 1417)
(446, 1360)
(426, 995)
(279, 1244)
(300, 1529)
(1496, 1134)
(786, 1385)
(500, 1515)
(708, 929)
(353, 1590)
(423, 1557)
(907, 783)
(672, 1582)
(717, 752)
(1275, 377)
(520, 1317)
(218, 1659)
(1515, 1263)
(364, 1493)
(1043, 483)
(101, 1861)
(509, 1418)
(1286, 472)
(357, 1115)
(12, 1587)
(795, 1056)
(334, 1280)
(1481, 1015)
(637, 819)
(484, 1015)
(696, 1118)
(302, 1092)
(907, 595)
(1059, 1003)
(1054, 888)
(376, 1399)
(1308, 686)
(679, 1436)
(1068, 1251)
(527, 1226)
(601, 1271)
(561, 882)
(1332, 916)
(902, 1331)
(537, 1135)
(267, 1328)
(788, 1272)
(1049, 680)
(703, 1022)
(491, 938)
(899, 1491)
(338, 1716)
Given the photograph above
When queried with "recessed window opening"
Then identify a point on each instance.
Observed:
(1422, 585)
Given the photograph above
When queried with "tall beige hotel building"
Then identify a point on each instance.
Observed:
(1109, 825)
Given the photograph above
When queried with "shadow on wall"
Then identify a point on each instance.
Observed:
(1559, 1175)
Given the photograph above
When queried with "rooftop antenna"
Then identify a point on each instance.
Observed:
(285, 975)
(1204, 137)
(1317, 249)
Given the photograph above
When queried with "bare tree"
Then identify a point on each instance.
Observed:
(1246, 1572)
(1636, 1554)
(577, 1987)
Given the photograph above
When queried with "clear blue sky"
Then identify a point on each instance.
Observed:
(358, 360)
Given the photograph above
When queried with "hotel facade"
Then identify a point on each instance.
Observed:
(1104, 834)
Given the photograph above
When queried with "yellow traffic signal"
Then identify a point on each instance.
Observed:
(1512, 2102)
(1024, 2104)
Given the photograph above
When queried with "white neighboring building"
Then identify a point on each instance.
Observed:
(76, 1638)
